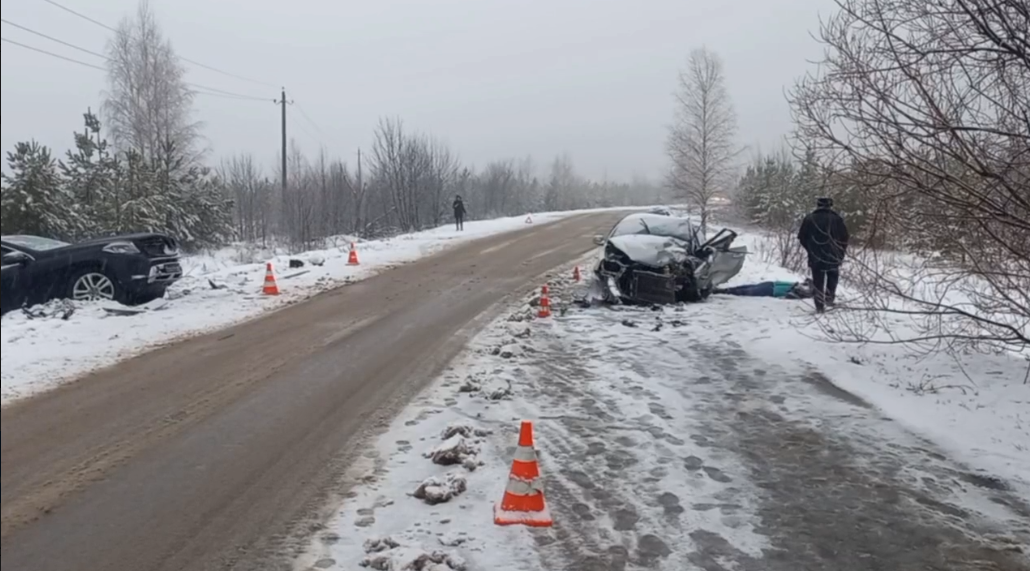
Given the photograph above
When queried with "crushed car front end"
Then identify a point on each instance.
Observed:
(654, 259)
(646, 269)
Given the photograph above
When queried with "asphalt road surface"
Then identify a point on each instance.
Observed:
(221, 452)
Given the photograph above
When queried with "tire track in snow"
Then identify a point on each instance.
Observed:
(620, 491)
(749, 443)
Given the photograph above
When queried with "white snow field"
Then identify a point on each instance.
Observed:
(41, 353)
(629, 404)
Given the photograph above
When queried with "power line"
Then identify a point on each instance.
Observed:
(307, 132)
(51, 54)
(308, 118)
(224, 93)
(83, 16)
(199, 89)
(187, 60)
(221, 92)
(227, 96)
(52, 39)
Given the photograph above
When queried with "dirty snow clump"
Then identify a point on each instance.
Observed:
(456, 450)
(465, 430)
(388, 555)
(434, 491)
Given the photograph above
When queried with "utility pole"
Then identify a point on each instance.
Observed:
(361, 186)
(359, 203)
(283, 102)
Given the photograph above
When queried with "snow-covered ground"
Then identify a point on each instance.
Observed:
(677, 438)
(43, 352)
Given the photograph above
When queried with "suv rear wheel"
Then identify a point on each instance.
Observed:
(91, 285)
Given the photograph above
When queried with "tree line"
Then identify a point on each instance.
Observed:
(917, 123)
(139, 164)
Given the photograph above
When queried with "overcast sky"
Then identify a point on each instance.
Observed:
(493, 78)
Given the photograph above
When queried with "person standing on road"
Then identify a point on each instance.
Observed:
(459, 213)
(824, 236)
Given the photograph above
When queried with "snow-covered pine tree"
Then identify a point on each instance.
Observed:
(196, 205)
(89, 178)
(34, 201)
(139, 208)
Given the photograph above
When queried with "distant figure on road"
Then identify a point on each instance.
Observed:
(459, 213)
(824, 236)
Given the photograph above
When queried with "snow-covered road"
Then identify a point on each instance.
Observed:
(219, 289)
(709, 437)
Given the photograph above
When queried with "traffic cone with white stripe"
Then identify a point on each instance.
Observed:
(270, 287)
(545, 302)
(524, 502)
(352, 259)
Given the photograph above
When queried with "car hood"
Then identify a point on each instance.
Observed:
(651, 250)
(120, 238)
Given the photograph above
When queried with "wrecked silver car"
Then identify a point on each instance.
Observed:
(656, 259)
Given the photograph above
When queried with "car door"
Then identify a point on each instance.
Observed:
(726, 260)
(12, 283)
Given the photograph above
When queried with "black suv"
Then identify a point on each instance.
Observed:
(129, 269)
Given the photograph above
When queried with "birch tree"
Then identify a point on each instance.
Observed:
(701, 139)
(148, 107)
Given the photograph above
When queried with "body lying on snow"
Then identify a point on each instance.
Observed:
(781, 290)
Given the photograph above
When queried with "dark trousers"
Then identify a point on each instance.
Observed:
(459, 221)
(824, 286)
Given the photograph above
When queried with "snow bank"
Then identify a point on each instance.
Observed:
(220, 289)
(975, 406)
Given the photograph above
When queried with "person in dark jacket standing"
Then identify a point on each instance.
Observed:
(459, 213)
(824, 236)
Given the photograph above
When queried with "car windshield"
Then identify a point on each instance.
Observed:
(35, 243)
(655, 225)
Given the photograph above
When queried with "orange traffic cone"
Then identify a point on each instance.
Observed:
(576, 275)
(524, 502)
(545, 303)
(270, 287)
(352, 260)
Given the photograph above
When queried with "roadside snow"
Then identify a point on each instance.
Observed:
(633, 407)
(977, 408)
(219, 290)
(497, 383)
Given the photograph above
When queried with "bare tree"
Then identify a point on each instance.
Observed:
(148, 106)
(252, 197)
(923, 109)
(563, 187)
(701, 139)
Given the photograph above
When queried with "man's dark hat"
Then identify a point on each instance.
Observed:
(824, 202)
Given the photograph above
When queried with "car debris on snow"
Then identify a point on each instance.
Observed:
(60, 308)
(124, 311)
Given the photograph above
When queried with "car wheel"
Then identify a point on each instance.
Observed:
(93, 286)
